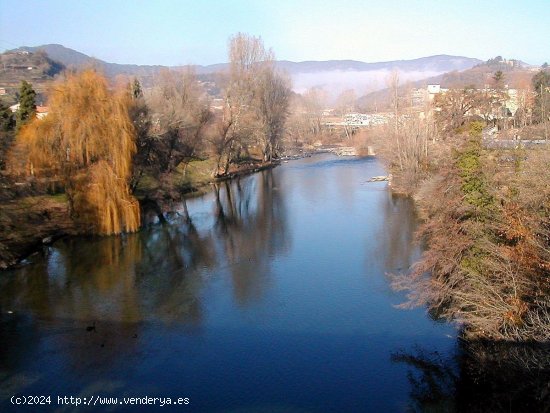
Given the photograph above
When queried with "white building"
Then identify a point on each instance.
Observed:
(366, 119)
(419, 97)
(41, 111)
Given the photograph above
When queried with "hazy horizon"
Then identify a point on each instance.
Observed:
(176, 33)
(5, 49)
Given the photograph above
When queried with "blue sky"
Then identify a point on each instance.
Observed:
(174, 32)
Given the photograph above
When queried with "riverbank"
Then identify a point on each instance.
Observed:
(485, 230)
(28, 223)
(31, 222)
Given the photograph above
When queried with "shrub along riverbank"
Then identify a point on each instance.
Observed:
(486, 228)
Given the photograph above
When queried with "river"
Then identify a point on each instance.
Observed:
(268, 294)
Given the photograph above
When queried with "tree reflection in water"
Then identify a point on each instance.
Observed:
(396, 235)
(163, 320)
(154, 276)
(432, 379)
(159, 272)
(482, 377)
(250, 224)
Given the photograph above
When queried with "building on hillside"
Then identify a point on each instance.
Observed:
(421, 97)
(41, 112)
(434, 90)
(366, 119)
(512, 102)
(505, 103)
(513, 63)
(357, 119)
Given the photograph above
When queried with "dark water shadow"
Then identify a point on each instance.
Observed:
(482, 376)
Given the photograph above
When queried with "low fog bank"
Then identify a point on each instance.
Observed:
(335, 82)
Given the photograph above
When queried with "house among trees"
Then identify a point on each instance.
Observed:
(420, 97)
(41, 112)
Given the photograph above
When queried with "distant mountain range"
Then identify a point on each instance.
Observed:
(439, 63)
(72, 58)
(331, 74)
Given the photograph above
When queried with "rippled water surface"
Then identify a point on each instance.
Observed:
(270, 295)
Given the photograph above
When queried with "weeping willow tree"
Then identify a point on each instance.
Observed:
(88, 140)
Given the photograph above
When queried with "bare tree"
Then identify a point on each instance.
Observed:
(298, 128)
(315, 101)
(455, 106)
(273, 100)
(393, 85)
(181, 111)
(234, 128)
(345, 104)
(525, 101)
(255, 103)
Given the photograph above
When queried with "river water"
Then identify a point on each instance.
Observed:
(271, 294)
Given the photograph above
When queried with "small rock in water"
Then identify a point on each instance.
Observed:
(379, 178)
(47, 240)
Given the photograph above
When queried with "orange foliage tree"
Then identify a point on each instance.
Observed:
(89, 140)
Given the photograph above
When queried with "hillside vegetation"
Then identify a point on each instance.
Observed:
(485, 201)
(37, 68)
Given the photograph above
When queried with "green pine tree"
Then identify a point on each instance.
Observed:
(498, 77)
(137, 92)
(7, 120)
(7, 125)
(27, 103)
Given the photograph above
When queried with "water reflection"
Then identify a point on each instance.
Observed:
(158, 273)
(250, 223)
(116, 286)
(432, 379)
(267, 293)
(481, 376)
(396, 235)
